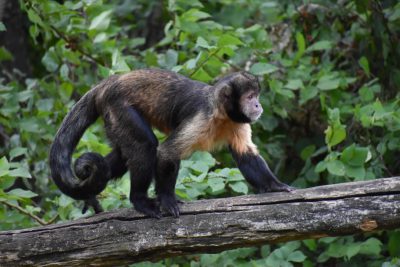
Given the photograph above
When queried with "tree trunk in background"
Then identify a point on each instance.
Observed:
(15, 40)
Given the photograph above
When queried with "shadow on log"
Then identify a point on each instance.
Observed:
(124, 236)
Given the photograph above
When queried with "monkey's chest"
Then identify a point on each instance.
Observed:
(214, 137)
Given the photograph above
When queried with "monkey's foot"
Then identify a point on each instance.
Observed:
(94, 203)
(147, 206)
(277, 187)
(169, 203)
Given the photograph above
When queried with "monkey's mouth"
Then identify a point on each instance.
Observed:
(254, 116)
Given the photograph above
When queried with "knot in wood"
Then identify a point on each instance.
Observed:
(368, 225)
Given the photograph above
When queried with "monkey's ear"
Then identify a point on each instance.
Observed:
(225, 90)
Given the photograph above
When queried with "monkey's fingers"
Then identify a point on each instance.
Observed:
(153, 213)
(170, 204)
(280, 187)
(94, 203)
(147, 206)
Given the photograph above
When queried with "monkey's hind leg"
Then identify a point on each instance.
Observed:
(138, 145)
(166, 174)
(117, 167)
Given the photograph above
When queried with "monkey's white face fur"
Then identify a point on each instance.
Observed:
(251, 106)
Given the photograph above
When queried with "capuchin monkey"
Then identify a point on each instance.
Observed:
(194, 115)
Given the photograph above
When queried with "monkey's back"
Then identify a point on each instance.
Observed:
(164, 98)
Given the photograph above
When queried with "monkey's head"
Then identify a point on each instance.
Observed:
(238, 96)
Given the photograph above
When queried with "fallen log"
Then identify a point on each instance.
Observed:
(124, 236)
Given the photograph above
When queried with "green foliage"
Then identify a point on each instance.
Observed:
(330, 73)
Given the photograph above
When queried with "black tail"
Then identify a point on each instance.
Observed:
(91, 170)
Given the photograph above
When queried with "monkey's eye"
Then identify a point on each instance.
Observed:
(251, 96)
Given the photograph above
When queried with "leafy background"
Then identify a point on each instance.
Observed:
(330, 72)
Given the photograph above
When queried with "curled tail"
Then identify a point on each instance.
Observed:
(91, 169)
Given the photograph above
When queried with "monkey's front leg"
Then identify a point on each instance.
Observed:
(257, 173)
(168, 163)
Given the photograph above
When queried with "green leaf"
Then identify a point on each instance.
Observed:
(394, 244)
(234, 175)
(336, 167)
(201, 42)
(321, 166)
(20, 172)
(34, 32)
(307, 93)
(5, 54)
(101, 37)
(320, 45)
(35, 18)
(50, 60)
(296, 256)
(366, 94)
(169, 59)
(228, 40)
(334, 135)
(193, 193)
(372, 246)
(194, 15)
(239, 187)
(216, 184)
(294, 84)
(352, 249)
(101, 22)
(311, 244)
(118, 62)
(45, 104)
(64, 72)
(2, 27)
(17, 151)
(307, 152)
(22, 193)
(29, 125)
(209, 259)
(263, 68)
(192, 63)
(357, 172)
(204, 157)
(364, 65)
(334, 115)
(202, 75)
(275, 258)
(4, 166)
(199, 167)
(301, 47)
(290, 247)
(104, 72)
(328, 82)
(354, 156)
(286, 93)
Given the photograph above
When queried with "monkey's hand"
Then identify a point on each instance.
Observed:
(169, 203)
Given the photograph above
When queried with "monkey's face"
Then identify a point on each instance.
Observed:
(250, 105)
(239, 96)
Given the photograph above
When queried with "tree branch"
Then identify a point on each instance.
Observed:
(33, 216)
(124, 236)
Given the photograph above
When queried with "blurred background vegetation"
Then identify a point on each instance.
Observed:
(330, 72)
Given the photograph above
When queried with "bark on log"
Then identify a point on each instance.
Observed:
(124, 236)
